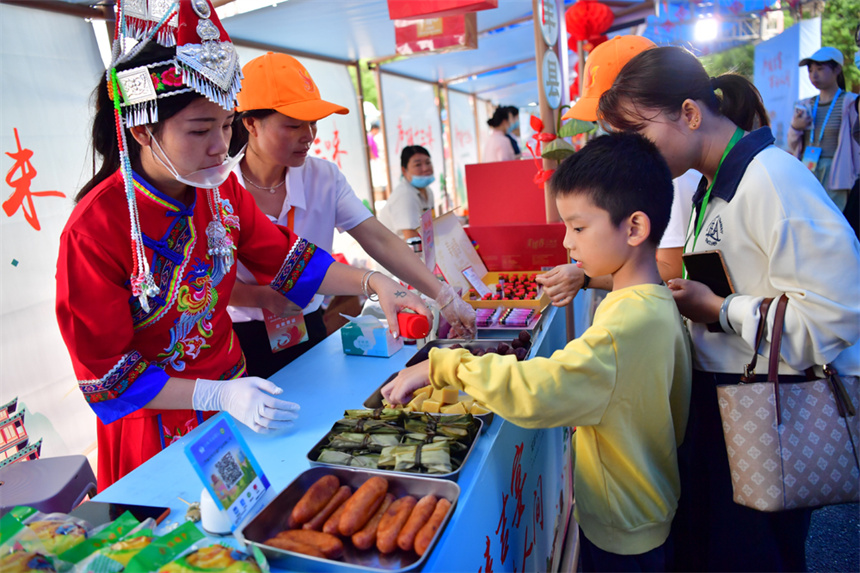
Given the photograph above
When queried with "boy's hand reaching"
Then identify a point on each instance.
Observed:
(408, 380)
(562, 283)
(695, 300)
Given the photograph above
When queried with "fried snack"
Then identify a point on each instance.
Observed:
(392, 522)
(331, 524)
(58, 536)
(428, 530)
(295, 546)
(366, 537)
(330, 546)
(361, 506)
(316, 498)
(419, 516)
(335, 502)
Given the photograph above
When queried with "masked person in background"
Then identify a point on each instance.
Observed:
(820, 133)
(513, 129)
(498, 146)
(142, 299)
(279, 107)
(412, 197)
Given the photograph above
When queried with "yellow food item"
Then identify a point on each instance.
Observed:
(215, 558)
(425, 391)
(432, 406)
(450, 395)
(478, 410)
(417, 402)
(123, 551)
(457, 408)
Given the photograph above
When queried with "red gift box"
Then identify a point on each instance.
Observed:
(436, 35)
(517, 248)
(411, 9)
(504, 193)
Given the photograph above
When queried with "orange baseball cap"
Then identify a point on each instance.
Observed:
(280, 82)
(601, 69)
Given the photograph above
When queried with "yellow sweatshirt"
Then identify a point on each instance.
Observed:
(625, 385)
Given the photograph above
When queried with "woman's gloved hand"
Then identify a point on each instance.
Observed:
(250, 400)
(459, 313)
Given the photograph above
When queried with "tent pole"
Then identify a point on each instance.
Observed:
(451, 179)
(362, 120)
(377, 75)
(547, 114)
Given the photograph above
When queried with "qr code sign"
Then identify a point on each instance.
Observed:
(229, 470)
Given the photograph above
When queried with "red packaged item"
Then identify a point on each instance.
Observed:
(413, 326)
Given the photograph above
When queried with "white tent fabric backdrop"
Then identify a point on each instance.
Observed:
(412, 118)
(50, 66)
(464, 140)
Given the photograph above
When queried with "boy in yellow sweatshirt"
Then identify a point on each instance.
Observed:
(625, 383)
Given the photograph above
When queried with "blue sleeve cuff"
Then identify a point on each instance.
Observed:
(302, 273)
(110, 406)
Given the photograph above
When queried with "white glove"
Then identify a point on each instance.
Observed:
(250, 400)
(459, 314)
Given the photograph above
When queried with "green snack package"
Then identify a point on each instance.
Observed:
(214, 558)
(119, 528)
(165, 548)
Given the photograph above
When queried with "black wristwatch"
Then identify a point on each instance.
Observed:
(586, 280)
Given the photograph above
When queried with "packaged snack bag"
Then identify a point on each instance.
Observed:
(214, 558)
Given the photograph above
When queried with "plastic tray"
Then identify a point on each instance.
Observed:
(273, 518)
(315, 452)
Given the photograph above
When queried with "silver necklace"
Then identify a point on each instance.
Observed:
(271, 190)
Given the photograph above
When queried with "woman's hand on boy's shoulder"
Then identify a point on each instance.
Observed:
(695, 300)
(408, 380)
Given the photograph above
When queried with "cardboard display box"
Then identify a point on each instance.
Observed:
(491, 279)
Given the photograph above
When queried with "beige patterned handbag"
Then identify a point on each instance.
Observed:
(791, 445)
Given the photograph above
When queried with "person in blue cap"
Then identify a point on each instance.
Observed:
(820, 133)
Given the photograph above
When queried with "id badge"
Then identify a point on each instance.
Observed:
(811, 155)
(285, 331)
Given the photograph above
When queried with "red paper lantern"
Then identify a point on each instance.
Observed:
(587, 19)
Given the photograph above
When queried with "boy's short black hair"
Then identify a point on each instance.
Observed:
(621, 173)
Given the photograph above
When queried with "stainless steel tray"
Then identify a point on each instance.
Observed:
(320, 445)
(273, 519)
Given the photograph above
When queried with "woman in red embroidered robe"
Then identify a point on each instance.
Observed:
(149, 373)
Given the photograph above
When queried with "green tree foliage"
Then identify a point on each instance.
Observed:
(838, 23)
(739, 60)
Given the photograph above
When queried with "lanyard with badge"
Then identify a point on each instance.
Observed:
(812, 153)
(289, 330)
(700, 214)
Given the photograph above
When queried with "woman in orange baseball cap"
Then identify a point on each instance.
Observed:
(279, 107)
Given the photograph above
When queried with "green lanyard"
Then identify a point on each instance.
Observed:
(739, 133)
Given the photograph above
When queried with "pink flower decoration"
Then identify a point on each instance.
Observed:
(171, 77)
(156, 82)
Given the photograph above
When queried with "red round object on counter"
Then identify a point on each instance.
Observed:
(413, 325)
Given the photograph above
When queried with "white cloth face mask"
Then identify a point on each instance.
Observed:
(208, 178)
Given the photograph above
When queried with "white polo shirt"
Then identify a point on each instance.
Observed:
(323, 201)
(682, 205)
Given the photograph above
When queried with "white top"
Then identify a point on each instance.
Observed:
(780, 233)
(497, 148)
(403, 210)
(324, 201)
(685, 187)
